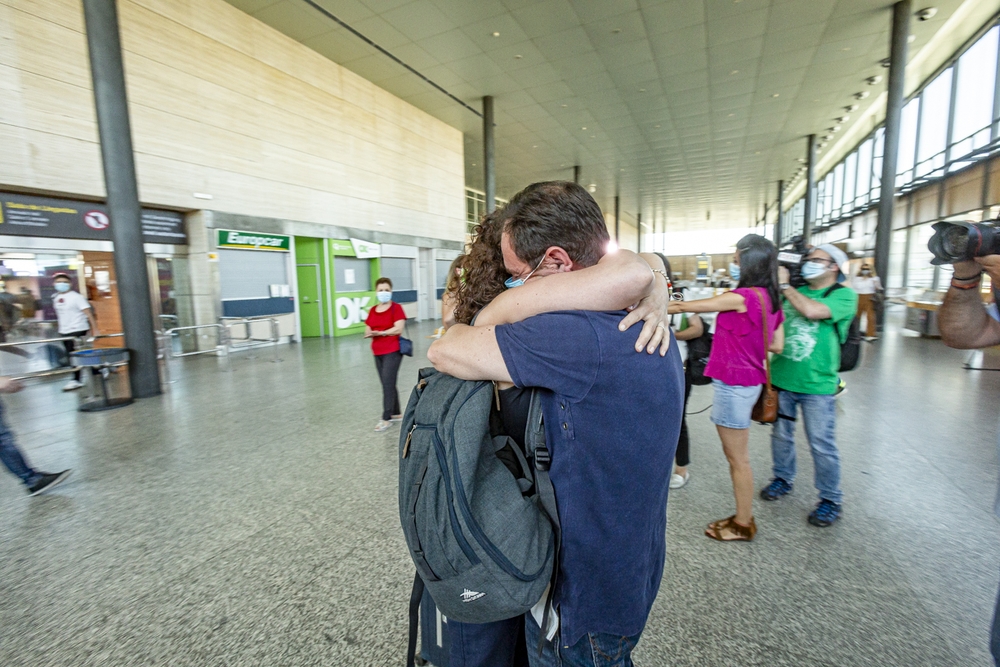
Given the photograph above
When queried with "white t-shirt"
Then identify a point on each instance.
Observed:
(864, 285)
(70, 307)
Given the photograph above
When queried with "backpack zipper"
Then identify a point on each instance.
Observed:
(409, 437)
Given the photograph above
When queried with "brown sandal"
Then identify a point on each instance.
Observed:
(727, 530)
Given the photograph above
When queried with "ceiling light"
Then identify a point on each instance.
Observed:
(862, 95)
(846, 48)
(592, 137)
(872, 80)
(885, 62)
(835, 128)
(642, 90)
(853, 107)
(583, 128)
(730, 115)
(518, 57)
(828, 137)
(592, 188)
(735, 71)
(496, 34)
(616, 31)
(656, 126)
(534, 146)
(927, 14)
(911, 39)
(843, 119)
(473, 164)
(800, 159)
(564, 105)
(775, 95)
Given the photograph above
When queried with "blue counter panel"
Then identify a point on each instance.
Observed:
(281, 305)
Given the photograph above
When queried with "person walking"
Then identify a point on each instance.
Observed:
(384, 325)
(36, 481)
(736, 366)
(868, 287)
(818, 317)
(75, 318)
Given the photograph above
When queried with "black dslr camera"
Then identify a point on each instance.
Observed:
(791, 257)
(960, 241)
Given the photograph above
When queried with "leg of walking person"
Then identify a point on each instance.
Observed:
(70, 346)
(394, 363)
(735, 445)
(782, 448)
(595, 649)
(819, 414)
(683, 456)
(390, 395)
(12, 457)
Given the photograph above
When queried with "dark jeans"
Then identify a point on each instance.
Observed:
(499, 644)
(595, 649)
(388, 369)
(70, 346)
(683, 456)
(11, 456)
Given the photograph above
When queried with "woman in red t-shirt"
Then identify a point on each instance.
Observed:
(384, 326)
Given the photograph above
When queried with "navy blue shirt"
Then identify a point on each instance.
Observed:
(612, 417)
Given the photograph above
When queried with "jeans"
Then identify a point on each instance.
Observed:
(387, 366)
(499, 644)
(595, 649)
(995, 634)
(11, 456)
(819, 414)
(70, 346)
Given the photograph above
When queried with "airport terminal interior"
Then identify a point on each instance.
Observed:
(200, 204)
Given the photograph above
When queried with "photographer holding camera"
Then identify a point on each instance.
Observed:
(817, 322)
(965, 323)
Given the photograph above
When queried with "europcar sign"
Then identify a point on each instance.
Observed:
(228, 238)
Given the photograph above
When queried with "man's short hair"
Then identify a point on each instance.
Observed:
(556, 213)
(64, 276)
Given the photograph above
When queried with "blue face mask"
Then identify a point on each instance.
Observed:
(513, 282)
(812, 270)
(62, 287)
(383, 297)
(734, 271)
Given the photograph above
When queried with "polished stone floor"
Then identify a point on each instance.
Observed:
(249, 518)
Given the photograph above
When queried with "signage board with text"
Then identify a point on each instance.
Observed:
(229, 238)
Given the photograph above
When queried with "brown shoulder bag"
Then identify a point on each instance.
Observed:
(765, 411)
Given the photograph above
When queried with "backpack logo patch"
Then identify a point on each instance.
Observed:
(471, 596)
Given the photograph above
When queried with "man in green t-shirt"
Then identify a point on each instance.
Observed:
(817, 321)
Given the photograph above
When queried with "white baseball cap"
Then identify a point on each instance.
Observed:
(839, 258)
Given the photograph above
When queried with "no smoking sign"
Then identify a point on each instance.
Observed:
(96, 220)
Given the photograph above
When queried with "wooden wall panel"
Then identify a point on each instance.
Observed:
(965, 191)
(223, 104)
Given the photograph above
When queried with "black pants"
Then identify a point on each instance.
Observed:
(388, 369)
(683, 456)
(70, 346)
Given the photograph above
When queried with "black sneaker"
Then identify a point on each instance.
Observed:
(47, 481)
(825, 513)
(776, 489)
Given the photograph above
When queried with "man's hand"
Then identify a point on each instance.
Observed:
(10, 386)
(653, 311)
(990, 264)
(783, 275)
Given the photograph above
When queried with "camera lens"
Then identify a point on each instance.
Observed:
(955, 242)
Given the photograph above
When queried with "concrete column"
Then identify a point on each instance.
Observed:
(810, 212)
(489, 156)
(638, 231)
(778, 222)
(108, 76)
(901, 12)
(576, 174)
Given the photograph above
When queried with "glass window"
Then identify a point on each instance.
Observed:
(864, 172)
(850, 179)
(820, 200)
(827, 196)
(441, 267)
(897, 251)
(877, 163)
(936, 100)
(919, 271)
(974, 95)
(907, 142)
(838, 191)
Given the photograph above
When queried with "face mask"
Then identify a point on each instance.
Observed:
(865, 272)
(734, 271)
(812, 270)
(62, 287)
(512, 282)
(383, 297)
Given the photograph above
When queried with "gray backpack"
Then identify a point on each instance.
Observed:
(481, 528)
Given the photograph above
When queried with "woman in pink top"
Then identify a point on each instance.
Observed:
(736, 366)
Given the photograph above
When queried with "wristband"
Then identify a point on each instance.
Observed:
(975, 278)
(662, 273)
(784, 286)
(964, 285)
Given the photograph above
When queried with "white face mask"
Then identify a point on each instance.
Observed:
(62, 287)
(383, 297)
(811, 270)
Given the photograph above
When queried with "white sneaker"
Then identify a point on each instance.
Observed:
(72, 385)
(396, 418)
(382, 425)
(677, 481)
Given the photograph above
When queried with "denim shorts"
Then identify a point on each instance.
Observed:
(732, 405)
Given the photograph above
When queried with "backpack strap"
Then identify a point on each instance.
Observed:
(827, 293)
(534, 440)
(416, 594)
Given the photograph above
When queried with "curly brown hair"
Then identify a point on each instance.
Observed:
(484, 269)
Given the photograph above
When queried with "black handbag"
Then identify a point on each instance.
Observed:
(698, 350)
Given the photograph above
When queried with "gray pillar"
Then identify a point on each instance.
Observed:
(810, 212)
(489, 156)
(576, 174)
(778, 222)
(616, 220)
(890, 152)
(638, 231)
(108, 75)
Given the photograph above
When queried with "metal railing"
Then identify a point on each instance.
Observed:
(52, 372)
(167, 353)
(248, 341)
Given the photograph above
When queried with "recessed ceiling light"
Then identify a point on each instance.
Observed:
(731, 115)
(756, 152)
(473, 164)
(496, 34)
(592, 188)
(592, 137)
(616, 31)
(862, 95)
(843, 119)
(835, 128)
(775, 95)
(518, 57)
(911, 39)
(853, 107)
(828, 137)
(656, 126)
(534, 146)
(564, 105)
(583, 128)
(800, 159)
(873, 80)
(846, 48)
(735, 71)
(642, 90)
